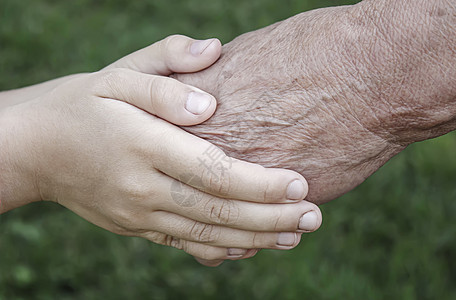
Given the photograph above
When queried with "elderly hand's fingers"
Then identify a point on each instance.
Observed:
(175, 53)
(214, 235)
(164, 97)
(204, 252)
(182, 199)
(217, 262)
(200, 164)
(209, 263)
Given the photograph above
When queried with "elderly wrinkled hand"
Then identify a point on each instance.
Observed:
(335, 93)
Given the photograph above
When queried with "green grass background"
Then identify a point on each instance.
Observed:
(393, 237)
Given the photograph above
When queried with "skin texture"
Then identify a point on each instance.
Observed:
(98, 144)
(335, 93)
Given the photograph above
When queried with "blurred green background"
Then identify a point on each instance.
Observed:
(394, 236)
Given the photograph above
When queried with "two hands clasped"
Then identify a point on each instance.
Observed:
(340, 93)
(102, 145)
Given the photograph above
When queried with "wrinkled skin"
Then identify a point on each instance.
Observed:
(334, 93)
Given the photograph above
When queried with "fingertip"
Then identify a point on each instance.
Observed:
(311, 220)
(209, 263)
(297, 189)
(204, 47)
(199, 107)
(247, 253)
(214, 49)
(306, 187)
(251, 253)
(284, 186)
(181, 104)
(319, 218)
(206, 52)
(198, 103)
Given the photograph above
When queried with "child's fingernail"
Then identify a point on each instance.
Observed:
(236, 252)
(308, 221)
(197, 103)
(198, 47)
(286, 239)
(296, 190)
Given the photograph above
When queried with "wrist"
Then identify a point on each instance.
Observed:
(403, 53)
(17, 183)
(24, 94)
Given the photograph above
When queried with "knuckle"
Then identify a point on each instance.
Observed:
(276, 219)
(218, 178)
(168, 49)
(263, 240)
(119, 229)
(269, 192)
(256, 240)
(131, 214)
(175, 242)
(136, 189)
(126, 222)
(170, 41)
(109, 76)
(160, 91)
(156, 237)
(165, 239)
(204, 233)
(270, 189)
(106, 80)
(222, 212)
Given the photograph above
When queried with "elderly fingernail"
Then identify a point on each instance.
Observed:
(295, 190)
(251, 253)
(286, 239)
(235, 252)
(308, 221)
(197, 103)
(198, 47)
